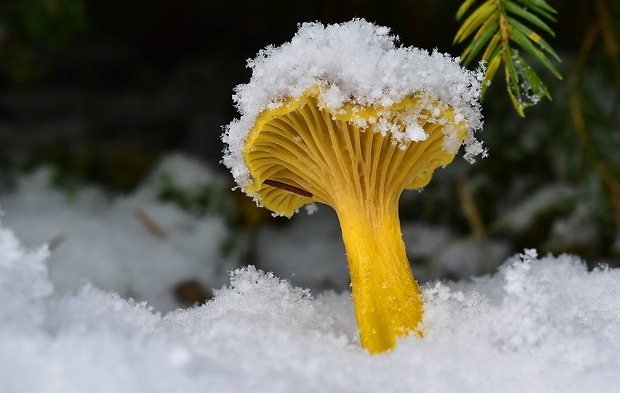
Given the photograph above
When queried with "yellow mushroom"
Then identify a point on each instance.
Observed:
(356, 157)
(301, 153)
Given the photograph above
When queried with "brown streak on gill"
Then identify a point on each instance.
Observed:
(284, 172)
(288, 187)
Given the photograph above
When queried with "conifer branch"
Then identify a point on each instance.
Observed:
(499, 26)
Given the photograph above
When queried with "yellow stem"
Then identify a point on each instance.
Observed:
(386, 296)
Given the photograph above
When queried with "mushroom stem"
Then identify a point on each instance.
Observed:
(301, 152)
(386, 296)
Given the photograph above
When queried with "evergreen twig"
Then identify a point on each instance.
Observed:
(499, 25)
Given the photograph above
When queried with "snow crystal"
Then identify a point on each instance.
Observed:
(356, 62)
(416, 133)
(311, 208)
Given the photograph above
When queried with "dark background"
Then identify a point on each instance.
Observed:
(159, 75)
(100, 90)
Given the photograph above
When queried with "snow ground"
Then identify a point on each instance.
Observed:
(539, 324)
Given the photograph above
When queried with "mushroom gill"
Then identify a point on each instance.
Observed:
(357, 160)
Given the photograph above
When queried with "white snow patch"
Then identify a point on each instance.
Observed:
(105, 242)
(416, 133)
(538, 325)
(311, 208)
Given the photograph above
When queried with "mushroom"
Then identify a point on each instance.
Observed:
(328, 145)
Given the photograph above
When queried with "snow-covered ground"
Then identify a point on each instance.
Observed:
(134, 245)
(67, 323)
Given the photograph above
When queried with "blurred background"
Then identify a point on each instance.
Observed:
(102, 91)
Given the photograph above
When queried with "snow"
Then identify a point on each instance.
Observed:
(539, 324)
(361, 63)
(123, 253)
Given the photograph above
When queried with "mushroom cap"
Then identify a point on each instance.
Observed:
(355, 74)
(302, 152)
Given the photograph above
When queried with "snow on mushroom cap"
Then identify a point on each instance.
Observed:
(355, 62)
